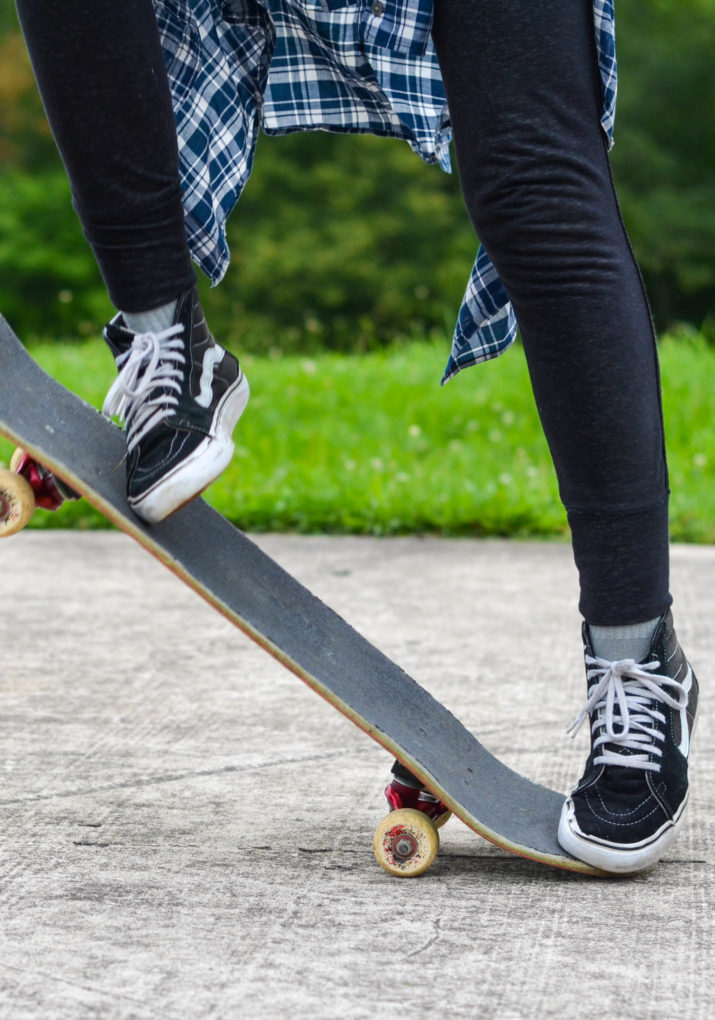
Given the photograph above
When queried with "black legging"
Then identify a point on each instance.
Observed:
(100, 71)
(523, 91)
(524, 95)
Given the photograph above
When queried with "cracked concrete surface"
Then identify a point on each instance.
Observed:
(187, 827)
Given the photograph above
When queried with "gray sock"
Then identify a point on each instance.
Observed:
(152, 321)
(632, 642)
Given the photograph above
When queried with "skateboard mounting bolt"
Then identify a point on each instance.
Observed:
(404, 845)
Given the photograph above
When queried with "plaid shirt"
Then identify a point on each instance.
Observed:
(339, 65)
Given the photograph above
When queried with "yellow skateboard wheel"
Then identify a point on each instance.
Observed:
(17, 503)
(406, 843)
(16, 458)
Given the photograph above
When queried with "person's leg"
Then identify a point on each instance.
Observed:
(103, 82)
(523, 91)
(101, 76)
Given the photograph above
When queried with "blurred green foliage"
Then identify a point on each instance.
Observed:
(339, 240)
(347, 242)
(664, 158)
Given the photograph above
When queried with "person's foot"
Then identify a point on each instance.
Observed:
(628, 807)
(180, 395)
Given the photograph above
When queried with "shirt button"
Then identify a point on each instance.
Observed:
(378, 8)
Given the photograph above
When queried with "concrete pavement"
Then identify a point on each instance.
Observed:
(186, 827)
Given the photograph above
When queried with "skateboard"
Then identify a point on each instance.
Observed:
(71, 450)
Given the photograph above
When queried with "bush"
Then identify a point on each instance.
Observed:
(343, 242)
(49, 283)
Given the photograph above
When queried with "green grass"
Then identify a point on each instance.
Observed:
(371, 444)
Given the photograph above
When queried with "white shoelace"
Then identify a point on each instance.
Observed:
(635, 690)
(152, 363)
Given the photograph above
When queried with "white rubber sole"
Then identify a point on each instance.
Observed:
(617, 859)
(203, 467)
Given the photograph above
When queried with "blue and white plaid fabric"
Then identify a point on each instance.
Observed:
(362, 66)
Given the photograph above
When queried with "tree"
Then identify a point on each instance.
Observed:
(664, 159)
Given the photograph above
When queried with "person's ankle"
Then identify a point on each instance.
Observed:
(152, 321)
(631, 641)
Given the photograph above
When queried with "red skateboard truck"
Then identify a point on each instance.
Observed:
(26, 486)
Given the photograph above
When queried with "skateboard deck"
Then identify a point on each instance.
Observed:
(87, 452)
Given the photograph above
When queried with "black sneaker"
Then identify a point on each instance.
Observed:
(628, 807)
(180, 395)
